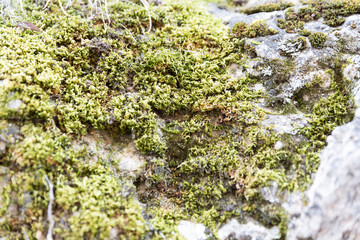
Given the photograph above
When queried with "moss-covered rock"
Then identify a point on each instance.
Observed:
(253, 30)
(165, 88)
(267, 7)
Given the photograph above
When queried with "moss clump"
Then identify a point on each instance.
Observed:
(256, 29)
(317, 39)
(293, 21)
(269, 7)
(89, 201)
(305, 32)
(89, 216)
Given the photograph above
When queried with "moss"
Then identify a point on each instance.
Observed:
(87, 216)
(317, 39)
(305, 32)
(353, 25)
(170, 91)
(253, 30)
(269, 7)
(332, 111)
(292, 22)
(332, 11)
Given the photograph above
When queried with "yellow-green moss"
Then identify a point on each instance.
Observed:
(169, 89)
(317, 39)
(269, 7)
(255, 29)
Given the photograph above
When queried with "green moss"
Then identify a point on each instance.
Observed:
(269, 7)
(88, 216)
(353, 25)
(305, 32)
(207, 153)
(317, 39)
(253, 30)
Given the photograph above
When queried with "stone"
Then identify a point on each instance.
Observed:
(119, 153)
(332, 210)
(2, 147)
(270, 192)
(249, 231)
(278, 145)
(14, 104)
(131, 160)
(192, 231)
(286, 123)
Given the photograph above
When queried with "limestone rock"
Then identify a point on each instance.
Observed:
(250, 231)
(14, 104)
(333, 208)
(192, 231)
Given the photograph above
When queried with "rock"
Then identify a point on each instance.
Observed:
(268, 50)
(111, 149)
(14, 104)
(332, 210)
(270, 192)
(224, 14)
(192, 231)
(278, 145)
(2, 147)
(333, 207)
(250, 231)
(286, 123)
(254, 3)
(13, 210)
(114, 233)
(131, 160)
(352, 71)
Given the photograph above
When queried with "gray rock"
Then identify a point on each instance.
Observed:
(120, 154)
(192, 231)
(2, 147)
(333, 207)
(270, 192)
(250, 231)
(130, 160)
(286, 123)
(224, 14)
(231, 18)
(254, 3)
(14, 104)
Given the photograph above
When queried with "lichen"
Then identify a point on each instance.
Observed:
(292, 46)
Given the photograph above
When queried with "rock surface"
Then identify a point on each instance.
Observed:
(192, 231)
(332, 206)
(249, 231)
(332, 210)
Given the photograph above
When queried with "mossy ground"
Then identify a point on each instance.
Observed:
(210, 154)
